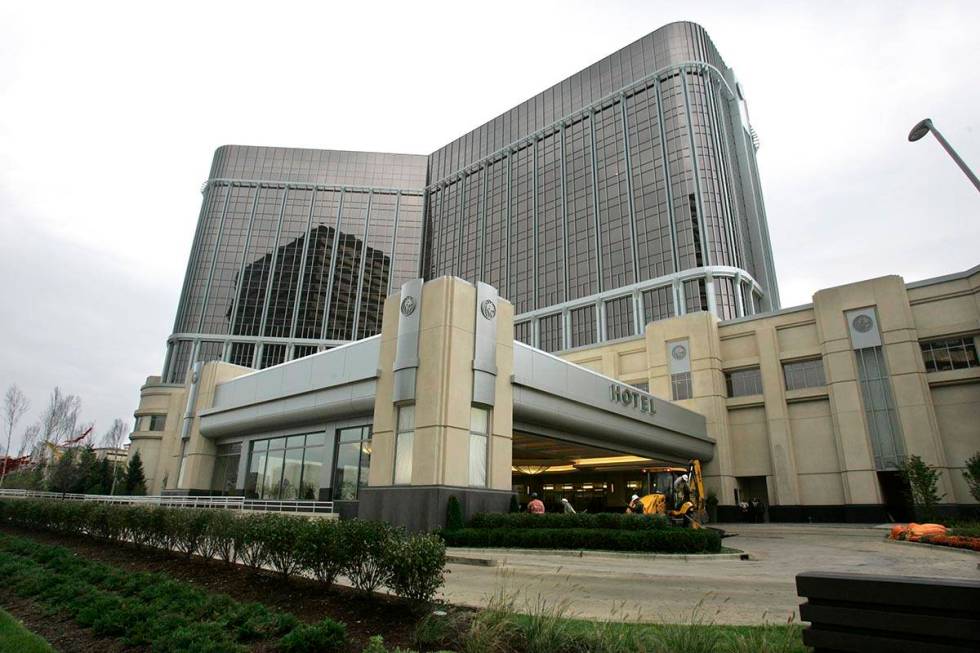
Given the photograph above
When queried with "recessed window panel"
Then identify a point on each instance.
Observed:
(804, 374)
(741, 383)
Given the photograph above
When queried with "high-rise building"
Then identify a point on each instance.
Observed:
(625, 194)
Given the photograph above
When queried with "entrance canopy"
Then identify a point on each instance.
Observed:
(557, 399)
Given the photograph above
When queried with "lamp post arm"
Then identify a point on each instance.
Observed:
(956, 157)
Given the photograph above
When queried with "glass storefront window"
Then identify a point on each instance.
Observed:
(352, 462)
(225, 476)
(404, 441)
(479, 440)
(286, 468)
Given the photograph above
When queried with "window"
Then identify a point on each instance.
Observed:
(285, 468)
(158, 422)
(522, 332)
(641, 385)
(658, 304)
(950, 354)
(680, 386)
(225, 476)
(479, 445)
(619, 318)
(550, 333)
(742, 383)
(583, 326)
(302, 351)
(404, 440)
(804, 374)
(242, 353)
(353, 459)
(140, 423)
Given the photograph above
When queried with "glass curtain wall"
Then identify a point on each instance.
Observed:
(285, 468)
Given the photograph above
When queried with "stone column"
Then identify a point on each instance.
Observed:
(460, 347)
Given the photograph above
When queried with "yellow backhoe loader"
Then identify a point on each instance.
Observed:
(669, 493)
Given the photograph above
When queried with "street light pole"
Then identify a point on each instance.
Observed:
(926, 126)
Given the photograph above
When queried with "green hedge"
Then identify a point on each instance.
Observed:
(607, 520)
(370, 554)
(665, 540)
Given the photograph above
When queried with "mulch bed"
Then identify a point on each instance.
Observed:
(309, 600)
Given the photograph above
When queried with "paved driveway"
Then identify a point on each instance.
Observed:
(724, 591)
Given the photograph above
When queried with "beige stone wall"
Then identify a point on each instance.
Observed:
(444, 390)
(159, 449)
(812, 445)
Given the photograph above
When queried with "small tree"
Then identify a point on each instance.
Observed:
(454, 515)
(923, 483)
(87, 479)
(135, 478)
(15, 404)
(972, 475)
(103, 483)
(64, 473)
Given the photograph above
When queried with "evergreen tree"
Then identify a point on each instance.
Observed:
(104, 483)
(64, 473)
(87, 479)
(135, 478)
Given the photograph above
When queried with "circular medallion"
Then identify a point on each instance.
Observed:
(408, 306)
(488, 308)
(679, 352)
(862, 323)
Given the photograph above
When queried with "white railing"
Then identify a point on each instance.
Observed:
(174, 501)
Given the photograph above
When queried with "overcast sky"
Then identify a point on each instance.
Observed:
(110, 113)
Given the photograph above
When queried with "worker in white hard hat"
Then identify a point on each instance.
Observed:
(567, 507)
(682, 491)
(635, 506)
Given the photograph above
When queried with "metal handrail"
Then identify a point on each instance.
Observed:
(173, 501)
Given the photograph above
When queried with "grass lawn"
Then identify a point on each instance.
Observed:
(14, 638)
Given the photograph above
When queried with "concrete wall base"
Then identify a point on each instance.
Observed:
(423, 508)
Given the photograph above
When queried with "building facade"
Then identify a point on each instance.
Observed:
(623, 194)
(808, 409)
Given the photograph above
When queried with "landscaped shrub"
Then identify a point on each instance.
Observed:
(665, 540)
(280, 536)
(249, 545)
(923, 483)
(454, 514)
(417, 566)
(149, 610)
(370, 554)
(323, 550)
(328, 635)
(373, 543)
(972, 475)
(190, 529)
(609, 520)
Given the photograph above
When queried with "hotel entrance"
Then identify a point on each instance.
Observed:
(592, 479)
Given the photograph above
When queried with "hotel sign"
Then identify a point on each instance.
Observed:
(632, 398)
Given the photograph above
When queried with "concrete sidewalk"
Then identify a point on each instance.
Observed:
(729, 591)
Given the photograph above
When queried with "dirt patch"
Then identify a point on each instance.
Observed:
(309, 600)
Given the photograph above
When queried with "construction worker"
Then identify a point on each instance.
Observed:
(535, 506)
(567, 507)
(635, 506)
(682, 491)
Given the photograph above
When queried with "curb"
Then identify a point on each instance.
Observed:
(496, 557)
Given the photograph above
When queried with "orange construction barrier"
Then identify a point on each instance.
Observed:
(914, 532)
